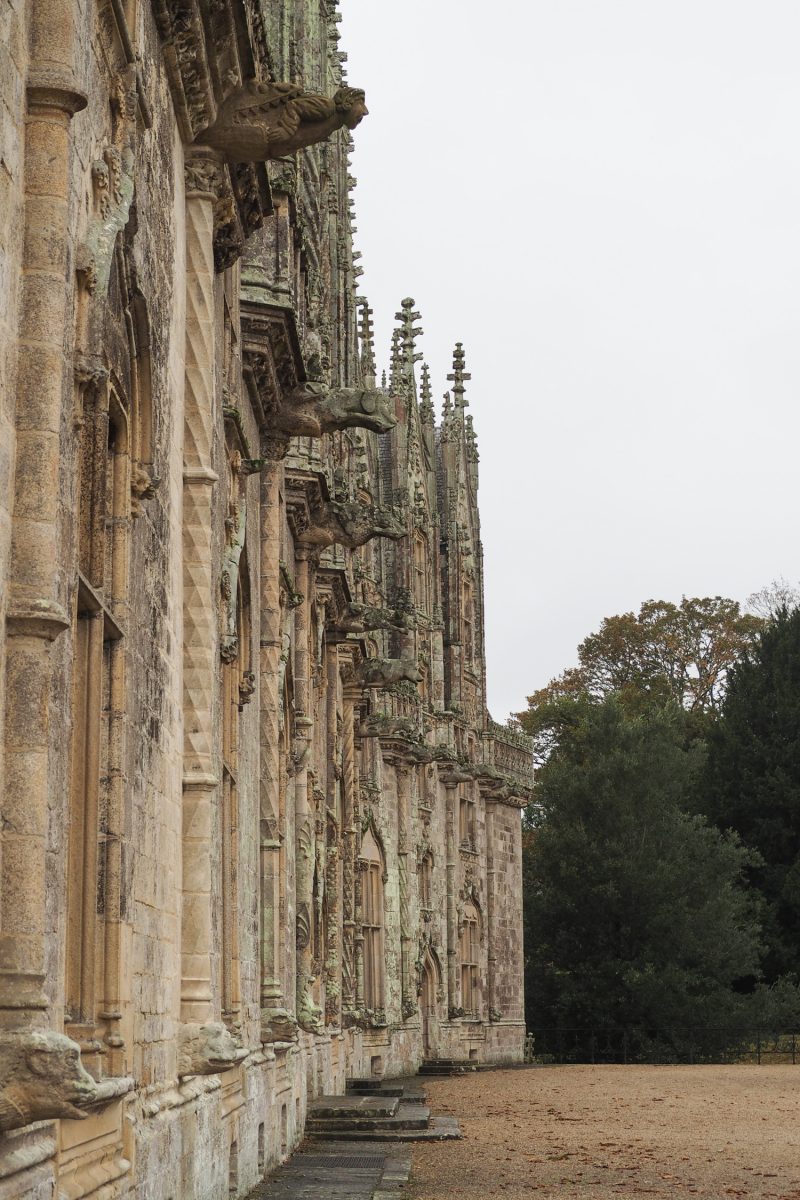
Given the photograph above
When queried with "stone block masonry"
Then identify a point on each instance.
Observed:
(259, 834)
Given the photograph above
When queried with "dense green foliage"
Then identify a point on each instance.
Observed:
(751, 782)
(635, 910)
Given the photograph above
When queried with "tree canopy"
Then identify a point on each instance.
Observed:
(635, 911)
(752, 779)
(681, 652)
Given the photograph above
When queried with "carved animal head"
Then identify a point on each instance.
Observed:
(207, 1049)
(351, 105)
(350, 408)
(43, 1078)
(383, 672)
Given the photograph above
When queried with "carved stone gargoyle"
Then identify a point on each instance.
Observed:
(313, 409)
(384, 725)
(359, 618)
(278, 1025)
(42, 1078)
(208, 1049)
(349, 523)
(383, 672)
(260, 121)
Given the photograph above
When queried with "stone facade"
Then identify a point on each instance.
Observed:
(259, 834)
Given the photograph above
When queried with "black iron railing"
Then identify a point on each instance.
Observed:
(689, 1044)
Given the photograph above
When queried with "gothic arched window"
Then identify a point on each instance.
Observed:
(470, 957)
(372, 921)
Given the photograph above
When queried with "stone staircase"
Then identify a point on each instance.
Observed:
(374, 1110)
(433, 1067)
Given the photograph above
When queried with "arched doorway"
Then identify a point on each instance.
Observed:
(428, 1007)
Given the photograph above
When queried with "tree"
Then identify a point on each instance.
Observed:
(636, 917)
(680, 652)
(752, 779)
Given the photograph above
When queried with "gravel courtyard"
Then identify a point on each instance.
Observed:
(615, 1131)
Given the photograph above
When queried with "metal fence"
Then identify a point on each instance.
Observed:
(690, 1044)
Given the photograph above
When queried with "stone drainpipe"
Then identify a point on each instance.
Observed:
(36, 612)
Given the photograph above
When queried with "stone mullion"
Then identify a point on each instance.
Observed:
(36, 614)
(270, 735)
(200, 634)
(348, 857)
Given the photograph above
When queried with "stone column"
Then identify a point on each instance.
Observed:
(200, 633)
(408, 994)
(36, 612)
(348, 856)
(270, 736)
(307, 1011)
(491, 954)
(451, 789)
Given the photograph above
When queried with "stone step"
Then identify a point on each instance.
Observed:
(439, 1129)
(358, 1087)
(406, 1117)
(350, 1106)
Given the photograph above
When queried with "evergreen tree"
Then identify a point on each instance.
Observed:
(752, 779)
(636, 917)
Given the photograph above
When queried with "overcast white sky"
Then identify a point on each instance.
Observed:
(601, 199)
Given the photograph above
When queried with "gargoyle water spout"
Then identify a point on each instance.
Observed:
(271, 120)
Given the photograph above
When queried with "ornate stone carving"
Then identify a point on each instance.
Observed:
(260, 121)
(383, 725)
(351, 524)
(143, 487)
(278, 1025)
(359, 618)
(42, 1078)
(208, 1049)
(112, 185)
(383, 672)
(313, 409)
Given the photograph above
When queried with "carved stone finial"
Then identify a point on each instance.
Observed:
(459, 376)
(42, 1078)
(208, 1049)
(426, 413)
(260, 121)
(366, 337)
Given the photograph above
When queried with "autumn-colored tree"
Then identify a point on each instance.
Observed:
(681, 652)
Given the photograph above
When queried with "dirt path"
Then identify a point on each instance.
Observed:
(616, 1131)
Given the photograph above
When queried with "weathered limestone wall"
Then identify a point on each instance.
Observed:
(242, 655)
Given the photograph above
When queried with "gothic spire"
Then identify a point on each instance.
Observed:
(366, 337)
(459, 376)
(426, 413)
(409, 332)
